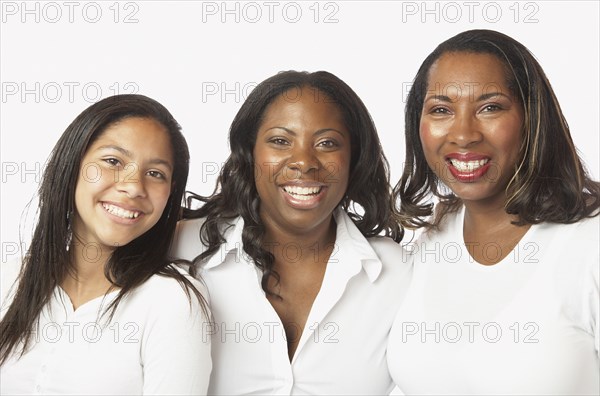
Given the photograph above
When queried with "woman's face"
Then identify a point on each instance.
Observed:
(471, 126)
(124, 183)
(302, 161)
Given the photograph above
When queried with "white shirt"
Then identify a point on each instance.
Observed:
(526, 325)
(343, 346)
(150, 347)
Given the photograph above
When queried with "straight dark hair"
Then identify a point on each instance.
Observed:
(235, 194)
(550, 183)
(47, 261)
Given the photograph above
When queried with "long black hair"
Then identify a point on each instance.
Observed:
(236, 194)
(549, 183)
(47, 261)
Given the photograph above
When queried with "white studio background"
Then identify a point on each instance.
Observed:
(201, 59)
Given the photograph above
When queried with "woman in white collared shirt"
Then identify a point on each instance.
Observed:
(303, 289)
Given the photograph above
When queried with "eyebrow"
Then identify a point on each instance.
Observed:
(127, 153)
(491, 95)
(445, 98)
(318, 132)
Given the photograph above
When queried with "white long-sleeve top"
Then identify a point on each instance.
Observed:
(342, 349)
(151, 346)
(526, 325)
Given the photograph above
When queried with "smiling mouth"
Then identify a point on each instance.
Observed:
(302, 193)
(120, 212)
(468, 166)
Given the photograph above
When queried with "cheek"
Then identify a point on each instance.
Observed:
(335, 167)
(160, 198)
(429, 140)
(164, 197)
(267, 163)
(508, 137)
(344, 166)
(92, 179)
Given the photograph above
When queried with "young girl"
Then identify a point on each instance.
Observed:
(504, 298)
(97, 308)
(303, 294)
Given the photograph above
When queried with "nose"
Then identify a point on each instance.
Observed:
(131, 181)
(302, 161)
(464, 131)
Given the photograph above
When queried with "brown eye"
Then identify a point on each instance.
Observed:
(439, 110)
(112, 161)
(328, 143)
(491, 107)
(279, 141)
(156, 174)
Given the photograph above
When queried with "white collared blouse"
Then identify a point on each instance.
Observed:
(342, 349)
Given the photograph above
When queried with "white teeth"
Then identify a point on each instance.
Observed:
(468, 166)
(302, 193)
(120, 212)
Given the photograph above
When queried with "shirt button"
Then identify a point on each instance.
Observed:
(38, 389)
(43, 368)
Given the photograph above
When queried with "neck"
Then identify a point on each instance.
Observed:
(86, 280)
(295, 247)
(481, 212)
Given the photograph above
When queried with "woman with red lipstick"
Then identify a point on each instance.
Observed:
(97, 307)
(504, 298)
(303, 291)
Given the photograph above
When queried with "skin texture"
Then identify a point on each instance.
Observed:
(302, 141)
(129, 166)
(460, 116)
(469, 113)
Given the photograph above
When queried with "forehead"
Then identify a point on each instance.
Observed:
(303, 102)
(144, 136)
(476, 71)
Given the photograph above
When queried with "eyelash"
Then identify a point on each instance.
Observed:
(328, 143)
(486, 108)
(439, 110)
(158, 174)
(112, 161)
(278, 141)
(494, 107)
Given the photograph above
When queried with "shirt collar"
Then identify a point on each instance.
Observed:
(233, 241)
(359, 248)
(356, 246)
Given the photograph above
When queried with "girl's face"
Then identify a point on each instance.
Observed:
(124, 183)
(302, 161)
(471, 126)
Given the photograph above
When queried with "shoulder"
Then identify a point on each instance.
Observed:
(162, 294)
(186, 243)
(387, 250)
(396, 262)
(577, 239)
(586, 231)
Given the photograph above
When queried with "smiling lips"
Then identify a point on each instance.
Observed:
(303, 196)
(302, 193)
(120, 212)
(467, 167)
